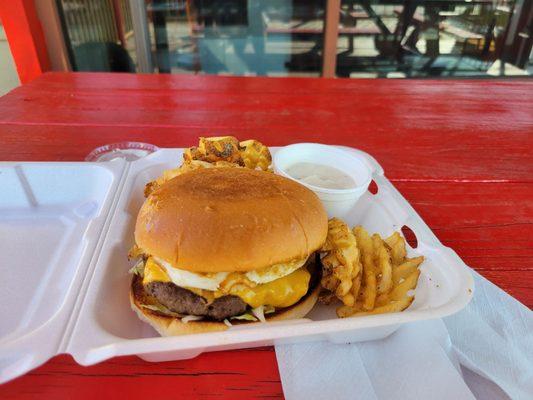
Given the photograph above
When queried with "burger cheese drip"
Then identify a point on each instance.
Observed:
(281, 292)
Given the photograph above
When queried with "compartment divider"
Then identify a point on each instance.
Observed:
(89, 271)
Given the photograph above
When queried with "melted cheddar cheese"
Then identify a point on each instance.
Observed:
(282, 292)
(154, 273)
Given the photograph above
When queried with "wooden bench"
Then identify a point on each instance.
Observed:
(349, 31)
(418, 18)
(303, 30)
(460, 32)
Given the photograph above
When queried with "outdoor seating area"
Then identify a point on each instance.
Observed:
(385, 38)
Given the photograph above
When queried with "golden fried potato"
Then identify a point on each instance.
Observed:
(248, 153)
(369, 284)
(356, 285)
(255, 155)
(407, 268)
(383, 264)
(327, 297)
(149, 188)
(329, 281)
(219, 151)
(347, 311)
(221, 148)
(341, 265)
(386, 276)
(192, 153)
(393, 306)
(215, 149)
(396, 242)
(382, 299)
(409, 283)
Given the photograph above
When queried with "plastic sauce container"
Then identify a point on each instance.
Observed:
(338, 202)
(130, 151)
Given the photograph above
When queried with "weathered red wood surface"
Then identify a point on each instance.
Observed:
(459, 151)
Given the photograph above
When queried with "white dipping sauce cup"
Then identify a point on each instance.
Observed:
(337, 202)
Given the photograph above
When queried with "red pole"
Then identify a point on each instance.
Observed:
(26, 39)
(119, 22)
(331, 36)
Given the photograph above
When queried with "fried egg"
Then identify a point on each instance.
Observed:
(183, 278)
(274, 272)
(213, 281)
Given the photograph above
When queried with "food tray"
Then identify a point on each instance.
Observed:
(66, 229)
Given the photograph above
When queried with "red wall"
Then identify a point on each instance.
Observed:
(25, 36)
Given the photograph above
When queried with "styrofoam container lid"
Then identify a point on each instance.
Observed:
(66, 229)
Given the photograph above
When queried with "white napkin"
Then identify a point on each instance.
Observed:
(483, 352)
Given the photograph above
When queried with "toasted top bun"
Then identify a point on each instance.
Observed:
(230, 219)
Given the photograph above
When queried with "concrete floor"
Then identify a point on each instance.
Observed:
(9, 78)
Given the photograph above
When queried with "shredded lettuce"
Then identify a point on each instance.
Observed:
(162, 309)
(138, 268)
(259, 312)
(189, 318)
(256, 314)
(269, 309)
(245, 317)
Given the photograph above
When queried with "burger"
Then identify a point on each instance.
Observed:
(224, 246)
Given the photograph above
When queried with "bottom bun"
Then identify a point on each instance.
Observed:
(172, 326)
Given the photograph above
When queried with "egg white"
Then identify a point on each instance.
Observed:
(274, 272)
(184, 278)
(212, 281)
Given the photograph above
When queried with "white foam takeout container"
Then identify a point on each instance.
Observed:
(65, 231)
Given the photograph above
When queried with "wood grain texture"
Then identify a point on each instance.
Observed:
(242, 374)
(459, 151)
(489, 225)
(420, 129)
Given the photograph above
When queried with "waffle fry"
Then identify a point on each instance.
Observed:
(341, 266)
(192, 154)
(217, 152)
(255, 155)
(385, 278)
(248, 153)
(368, 293)
(220, 148)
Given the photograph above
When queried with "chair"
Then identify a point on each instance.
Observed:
(102, 57)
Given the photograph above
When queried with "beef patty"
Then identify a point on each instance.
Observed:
(183, 301)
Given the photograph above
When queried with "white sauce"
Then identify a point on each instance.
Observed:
(322, 176)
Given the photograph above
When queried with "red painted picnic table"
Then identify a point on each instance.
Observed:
(459, 150)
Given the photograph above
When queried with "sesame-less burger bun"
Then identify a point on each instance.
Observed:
(230, 219)
(172, 326)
